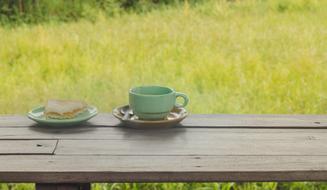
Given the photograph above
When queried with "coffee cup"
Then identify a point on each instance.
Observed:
(154, 102)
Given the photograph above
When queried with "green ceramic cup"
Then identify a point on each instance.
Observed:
(154, 102)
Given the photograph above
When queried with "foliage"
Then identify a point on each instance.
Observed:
(190, 186)
(15, 12)
(227, 58)
(35, 11)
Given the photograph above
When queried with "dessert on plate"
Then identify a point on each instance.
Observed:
(64, 109)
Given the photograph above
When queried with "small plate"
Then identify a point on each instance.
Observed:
(174, 117)
(37, 114)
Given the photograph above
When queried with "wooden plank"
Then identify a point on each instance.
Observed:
(26, 147)
(118, 133)
(209, 120)
(209, 143)
(81, 169)
(236, 120)
(205, 148)
(15, 121)
(63, 186)
(257, 121)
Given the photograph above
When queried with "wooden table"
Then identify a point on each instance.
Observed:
(204, 148)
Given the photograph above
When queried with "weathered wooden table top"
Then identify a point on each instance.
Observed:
(203, 148)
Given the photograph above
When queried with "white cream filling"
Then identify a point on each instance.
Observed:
(62, 107)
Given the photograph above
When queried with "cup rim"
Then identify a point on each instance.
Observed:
(151, 95)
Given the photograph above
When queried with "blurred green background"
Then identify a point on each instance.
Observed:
(249, 56)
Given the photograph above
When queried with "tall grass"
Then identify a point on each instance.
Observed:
(240, 57)
(190, 186)
(229, 57)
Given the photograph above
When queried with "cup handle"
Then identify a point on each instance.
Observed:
(184, 96)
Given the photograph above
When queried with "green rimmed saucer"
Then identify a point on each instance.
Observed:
(37, 115)
(172, 120)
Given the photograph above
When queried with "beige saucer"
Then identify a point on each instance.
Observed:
(174, 117)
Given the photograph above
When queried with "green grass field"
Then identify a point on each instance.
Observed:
(237, 57)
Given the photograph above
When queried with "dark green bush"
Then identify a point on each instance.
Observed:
(35, 11)
(31, 11)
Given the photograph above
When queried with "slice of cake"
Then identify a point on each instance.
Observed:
(64, 109)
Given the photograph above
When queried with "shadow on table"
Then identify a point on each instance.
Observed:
(157, 134)
(162, 134)
(82, 128)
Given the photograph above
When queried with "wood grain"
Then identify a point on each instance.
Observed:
(118, 133)
(27, 147)
(15, 121)
(84, 169)
(257, 121)
(213, 144)
(203, 120)
(202, 148)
